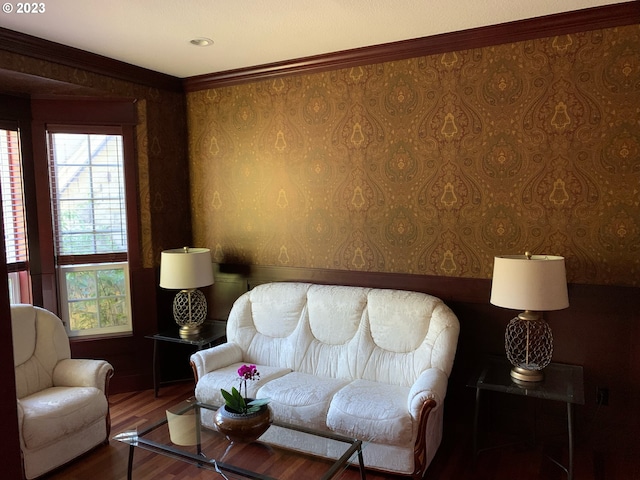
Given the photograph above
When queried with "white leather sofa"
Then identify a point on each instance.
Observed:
(62, 402)
(367, 363)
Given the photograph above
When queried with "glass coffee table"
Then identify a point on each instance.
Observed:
(181, 435)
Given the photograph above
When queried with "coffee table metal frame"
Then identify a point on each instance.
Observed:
(137, 439)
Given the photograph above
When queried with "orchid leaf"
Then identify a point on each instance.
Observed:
(234, 400)
(259, 402)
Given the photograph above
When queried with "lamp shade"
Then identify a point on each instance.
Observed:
(529, 282)
(186, 268)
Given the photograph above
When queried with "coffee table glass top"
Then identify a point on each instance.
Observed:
(183, 437)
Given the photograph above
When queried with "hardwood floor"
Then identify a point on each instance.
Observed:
(453, 460)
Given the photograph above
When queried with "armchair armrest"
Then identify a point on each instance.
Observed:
(205, 361)
(430, 385)
(20, 409)
(76, 372)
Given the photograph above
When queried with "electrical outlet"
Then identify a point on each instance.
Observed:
(602, 396)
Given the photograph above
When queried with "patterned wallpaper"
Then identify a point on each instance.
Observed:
(432, 165)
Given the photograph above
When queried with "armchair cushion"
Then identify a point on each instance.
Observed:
(56, 412)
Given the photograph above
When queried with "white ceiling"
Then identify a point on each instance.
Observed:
(156, 34)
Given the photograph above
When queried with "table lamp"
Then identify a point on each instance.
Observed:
(187, 269)
(533, 283)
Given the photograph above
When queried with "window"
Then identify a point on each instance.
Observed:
(13, 212)
(97, 299)
(87, 183)
(86, 172)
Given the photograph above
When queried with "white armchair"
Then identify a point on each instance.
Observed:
(63, 410)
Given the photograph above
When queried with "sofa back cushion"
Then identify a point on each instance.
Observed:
(329, 339)
(39, 343)
(264, 321)
(345, 332)
(410, 332)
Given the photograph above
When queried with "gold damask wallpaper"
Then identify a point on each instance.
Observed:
(432, 165)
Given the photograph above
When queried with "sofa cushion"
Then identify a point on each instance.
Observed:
(56, 412)
(301, 398)
(267, 304)
(335, 312)
(265, 321)
(209, 386)
(389, 314)
(373, 412)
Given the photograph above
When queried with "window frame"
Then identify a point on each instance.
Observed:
(92, 116)
(64, 262)
(20, 290)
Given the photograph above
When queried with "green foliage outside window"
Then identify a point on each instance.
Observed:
(97, 298)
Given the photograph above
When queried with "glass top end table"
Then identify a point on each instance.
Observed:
(211, 332)
(562, 383)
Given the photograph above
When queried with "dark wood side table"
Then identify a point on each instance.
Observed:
(211, 332)
(562, 383)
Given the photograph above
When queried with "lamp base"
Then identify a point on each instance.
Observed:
(529, 346)
(188, 331)
(189, 311)
(519, 374)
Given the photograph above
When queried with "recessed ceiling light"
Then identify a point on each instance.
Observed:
(201, 42)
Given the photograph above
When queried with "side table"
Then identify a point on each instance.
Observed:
(563, 383)
(211, 332)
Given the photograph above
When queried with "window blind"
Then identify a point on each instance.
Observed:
(87, 193)
(11, 188)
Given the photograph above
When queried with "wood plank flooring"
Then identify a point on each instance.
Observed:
(453, 461)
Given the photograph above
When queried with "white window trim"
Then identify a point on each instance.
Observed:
(64, 307)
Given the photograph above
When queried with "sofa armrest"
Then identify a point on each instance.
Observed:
(76, 372)
(210, 359)
(430, 385)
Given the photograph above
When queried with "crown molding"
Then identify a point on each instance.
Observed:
(627, 13)
(34, 47)
(540, 27)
